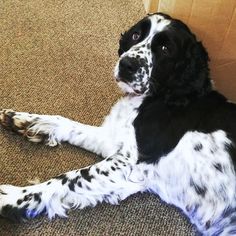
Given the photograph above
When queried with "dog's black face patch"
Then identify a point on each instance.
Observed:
(160, 55)
(135, 35)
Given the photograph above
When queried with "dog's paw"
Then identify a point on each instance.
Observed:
(19, 203)
(20, 122)
(36, 128)
(15, 121)
(12, 204)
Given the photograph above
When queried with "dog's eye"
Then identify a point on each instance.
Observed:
(135, 36)
(164, 48)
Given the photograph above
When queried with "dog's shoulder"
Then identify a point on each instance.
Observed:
(159, 127)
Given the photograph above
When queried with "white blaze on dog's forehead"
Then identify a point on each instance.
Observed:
(158, 23)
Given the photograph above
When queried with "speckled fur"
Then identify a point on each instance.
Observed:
(197, 175)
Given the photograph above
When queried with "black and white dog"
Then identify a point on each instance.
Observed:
(172, 135)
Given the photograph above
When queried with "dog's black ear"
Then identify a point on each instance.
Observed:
(199, 68)
(190, 79)
(193, 68)
(193, 72)
(200, 54)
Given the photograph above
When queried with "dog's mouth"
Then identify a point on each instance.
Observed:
(138, 92)
(131, 89)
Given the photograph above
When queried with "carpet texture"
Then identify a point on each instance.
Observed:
(57, 57)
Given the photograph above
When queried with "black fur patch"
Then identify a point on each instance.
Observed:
(63, 178)
(233, 219)
(72, 183)
(167, 124)
(16, 214)
(208, 224)
(120, 161)
(85, 174)
(19, 201)
(106, 173)
(37, 197)
(200, 190)
(87, 187)
(198, 147)
(126, 41)
(218, 166)
(27, 197)
(63, 181)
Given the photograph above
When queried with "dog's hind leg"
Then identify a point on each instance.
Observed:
(110, 180)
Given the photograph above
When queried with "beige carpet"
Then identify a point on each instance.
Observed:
(57, 57)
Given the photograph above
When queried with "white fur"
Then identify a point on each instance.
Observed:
(115, 140)
(171, 178)
(188, 177)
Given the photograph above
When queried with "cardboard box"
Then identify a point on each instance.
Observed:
(214, 23)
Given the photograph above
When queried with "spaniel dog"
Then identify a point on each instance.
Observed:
(171, 134)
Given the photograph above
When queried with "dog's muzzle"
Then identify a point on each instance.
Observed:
(132, 73)
(127, 68)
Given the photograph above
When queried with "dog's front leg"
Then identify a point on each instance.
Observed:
(53, 130)
(110, 180)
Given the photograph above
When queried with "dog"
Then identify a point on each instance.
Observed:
(172, 134)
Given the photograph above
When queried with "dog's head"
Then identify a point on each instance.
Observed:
(160, 55)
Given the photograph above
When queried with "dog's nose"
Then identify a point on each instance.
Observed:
(128, 64)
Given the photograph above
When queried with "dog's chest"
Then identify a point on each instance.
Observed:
(119, 123)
